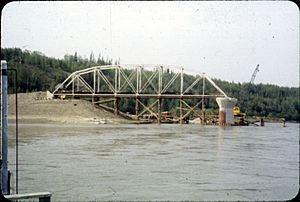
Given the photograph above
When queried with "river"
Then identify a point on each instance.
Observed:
(157, 162)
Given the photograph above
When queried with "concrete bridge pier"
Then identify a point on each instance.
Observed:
(226, 105)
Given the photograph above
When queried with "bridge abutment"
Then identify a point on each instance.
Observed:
(226, 105)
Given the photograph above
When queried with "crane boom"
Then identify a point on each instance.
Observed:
(254, 74)
(236, 109)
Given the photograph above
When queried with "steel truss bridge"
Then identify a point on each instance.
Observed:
(148, 85)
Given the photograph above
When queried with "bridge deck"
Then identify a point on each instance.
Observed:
(165, 96)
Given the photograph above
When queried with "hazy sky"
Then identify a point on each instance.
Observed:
(224, 39)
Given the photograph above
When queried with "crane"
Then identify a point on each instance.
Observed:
(252, 79)
(254, 74)
(236, 110)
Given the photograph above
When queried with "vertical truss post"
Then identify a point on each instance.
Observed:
(119, 78)
(160, 71)
(98, 82)
(138, 79)
(181, 93)
(181, 81)
(73, 85)
(116, 80)
(159, 110)
(94, 83)
(181, 111)
(203, 93)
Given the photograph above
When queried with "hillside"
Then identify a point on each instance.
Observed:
(37, 72)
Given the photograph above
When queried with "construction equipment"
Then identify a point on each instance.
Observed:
(254, 74)
(238, 113)
(240, 116)
(249, 89)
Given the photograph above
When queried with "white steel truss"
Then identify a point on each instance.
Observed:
(136, 82)
(139, 82)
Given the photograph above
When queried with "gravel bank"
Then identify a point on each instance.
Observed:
(36, 108)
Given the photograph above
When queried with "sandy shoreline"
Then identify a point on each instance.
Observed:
(34, 108)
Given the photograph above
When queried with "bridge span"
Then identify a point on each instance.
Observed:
(148, 85)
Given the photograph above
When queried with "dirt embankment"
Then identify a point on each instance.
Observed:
(36, 108)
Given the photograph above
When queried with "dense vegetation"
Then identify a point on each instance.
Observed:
(37, 72)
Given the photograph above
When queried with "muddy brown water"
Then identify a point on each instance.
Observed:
(158, 162)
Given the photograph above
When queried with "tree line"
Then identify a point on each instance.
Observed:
(37, 72)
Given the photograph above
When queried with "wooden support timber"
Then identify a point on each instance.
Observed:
(113, 83)
(116, 105)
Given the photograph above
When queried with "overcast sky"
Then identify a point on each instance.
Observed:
(226, 40)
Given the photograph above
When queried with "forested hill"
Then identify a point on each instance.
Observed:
(37, 72)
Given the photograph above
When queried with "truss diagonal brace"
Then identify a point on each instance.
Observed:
(100, 73)
(170, 82)
(193, 84)
(85, 84)
(148, 109)
(61, 85)
(215, 85)
(127, 80)
(191, 108)
(149, 81)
